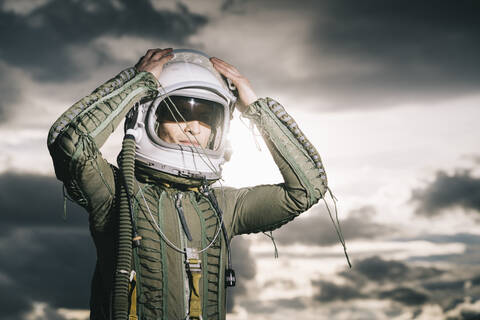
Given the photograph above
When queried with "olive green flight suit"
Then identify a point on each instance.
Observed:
(162, 290)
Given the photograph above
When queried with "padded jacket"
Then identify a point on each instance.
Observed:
(162, 290)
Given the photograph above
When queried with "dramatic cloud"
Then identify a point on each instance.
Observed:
(13, 302)
(317, 228)
(410, 289)
(446, 191)
(378, 270)
(44, 40)
(405, 295)
(42, 257)
(369, 54)
(469, 315)
(331, 292)
(409, 50)
(32, 200)
(50, 265)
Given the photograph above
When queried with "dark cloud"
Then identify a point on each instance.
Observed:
(469, 315)
(410, 50)
(476, 280)
(317, 228)
(371, 54)
(330, 291)
(406, 296)
(405, 283)
(445, 285)
(368, 278)
(377, 269)
(42, 257)
(41, 41)
(447, 191)
(450, 293)
(50, 265)
(245, 269)
(13, 302)
(34, 200)
(380, 270)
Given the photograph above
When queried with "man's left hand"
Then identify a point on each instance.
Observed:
(245, 90)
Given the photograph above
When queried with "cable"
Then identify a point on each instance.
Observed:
(338, 229)
(164, 237)
(201, 154)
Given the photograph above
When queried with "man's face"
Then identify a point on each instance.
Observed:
(188, 133)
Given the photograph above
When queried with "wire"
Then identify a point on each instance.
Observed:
(338, 229)
(164, 237)
(202, 154)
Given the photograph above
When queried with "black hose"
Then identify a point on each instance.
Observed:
(124, 244)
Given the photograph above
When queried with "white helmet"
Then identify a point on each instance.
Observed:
(190, 89)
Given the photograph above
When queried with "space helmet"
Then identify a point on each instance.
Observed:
(190, 92)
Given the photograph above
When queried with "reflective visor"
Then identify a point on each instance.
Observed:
(190, 109)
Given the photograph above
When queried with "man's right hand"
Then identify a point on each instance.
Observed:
(154, 60)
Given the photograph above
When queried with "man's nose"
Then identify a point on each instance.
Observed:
(193, 127)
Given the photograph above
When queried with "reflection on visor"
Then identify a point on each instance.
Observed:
(191, 109)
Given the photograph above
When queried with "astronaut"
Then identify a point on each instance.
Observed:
(161, 230)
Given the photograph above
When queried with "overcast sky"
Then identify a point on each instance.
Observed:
(388, 91)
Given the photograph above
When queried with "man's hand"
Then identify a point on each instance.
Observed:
(154, 60)
(245, 90)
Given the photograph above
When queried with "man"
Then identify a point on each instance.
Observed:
(161, 231)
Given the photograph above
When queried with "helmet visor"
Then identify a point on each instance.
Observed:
(188, 120)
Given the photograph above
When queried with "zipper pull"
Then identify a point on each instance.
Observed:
(181, 215)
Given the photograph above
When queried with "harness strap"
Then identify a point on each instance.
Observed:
(194, 269)
(132, 288)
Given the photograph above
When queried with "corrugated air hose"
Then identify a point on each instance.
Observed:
(124, 244)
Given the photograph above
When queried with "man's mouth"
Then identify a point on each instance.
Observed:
(189, 143)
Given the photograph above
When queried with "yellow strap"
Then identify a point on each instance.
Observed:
(133, 299)
(195, 311)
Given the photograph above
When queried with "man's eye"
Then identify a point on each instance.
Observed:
(204, 124)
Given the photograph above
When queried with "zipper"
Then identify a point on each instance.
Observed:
(185, 280)
(183, 240)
